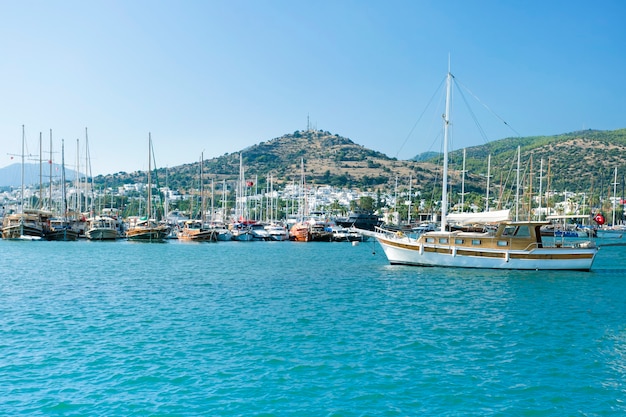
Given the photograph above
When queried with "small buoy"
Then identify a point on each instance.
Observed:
(355, 243)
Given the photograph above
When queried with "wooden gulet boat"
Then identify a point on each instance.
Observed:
(27, 224)
(147, 229)
(513, 245)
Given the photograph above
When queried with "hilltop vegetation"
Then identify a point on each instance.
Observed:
(328, 159)
(580, 162)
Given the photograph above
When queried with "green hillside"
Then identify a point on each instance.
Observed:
(579, 161)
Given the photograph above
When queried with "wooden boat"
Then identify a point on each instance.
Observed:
(513, 245)
(146, 229)
(27, 224)
(194, 231)
(24, 226)
(300, 232)
(60, 228)
(103, 228)
(321, 231)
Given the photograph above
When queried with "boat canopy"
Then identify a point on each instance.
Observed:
(481, 217)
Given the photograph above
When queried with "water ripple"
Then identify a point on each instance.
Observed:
(309, 329)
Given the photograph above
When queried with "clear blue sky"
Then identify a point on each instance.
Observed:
(219, 76)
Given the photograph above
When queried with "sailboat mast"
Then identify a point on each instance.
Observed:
(614, 195)
(40, 204)
(488, 180)
(446, 128)
(463, 183)
(22, 195)
(517, 188)
(149, 203)
(64, 190)
(50, 179)
(79, 202)
(202, 200)
(540, 187)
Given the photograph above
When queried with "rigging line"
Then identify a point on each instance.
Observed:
(473, 115)
(491, 111)
(420, 117)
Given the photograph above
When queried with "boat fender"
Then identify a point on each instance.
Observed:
(421, 249)
(506, 256)
(454, 251)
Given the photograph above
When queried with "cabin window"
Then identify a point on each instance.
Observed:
(430, 240)
(443, 240)
(476, 242)
(523, 231)
(503, 243)
(508, 231)
(459, 241)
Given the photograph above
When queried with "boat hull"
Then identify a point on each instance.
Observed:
(404, 251)
(22, 233)
(157, 234)
(62, 235)
(101, 234)
(198, 235)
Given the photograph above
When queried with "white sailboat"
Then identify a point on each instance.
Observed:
(511, 245)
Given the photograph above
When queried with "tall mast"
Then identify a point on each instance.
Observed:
(88, 174)
(202, 200)
(463, 183)
(64, 191)
(149, 203)
(517, 188)
(614, 195)
(40, 203)
(50, 179)
(22, 195)
(488, 180)
(540, 186)
(530, 187)
(446, 128)
(410, 198)
(78, 198)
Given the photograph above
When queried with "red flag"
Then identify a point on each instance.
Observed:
(599, 218)
(249, 183)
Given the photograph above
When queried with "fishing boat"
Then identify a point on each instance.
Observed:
(508, 245)
(147, 229)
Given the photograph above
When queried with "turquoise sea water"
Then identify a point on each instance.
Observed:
(302, 329)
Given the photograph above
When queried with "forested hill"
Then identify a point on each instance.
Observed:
(323, 157)
(577, 161)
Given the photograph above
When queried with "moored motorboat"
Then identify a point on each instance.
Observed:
(103, 228)
(277, 232)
